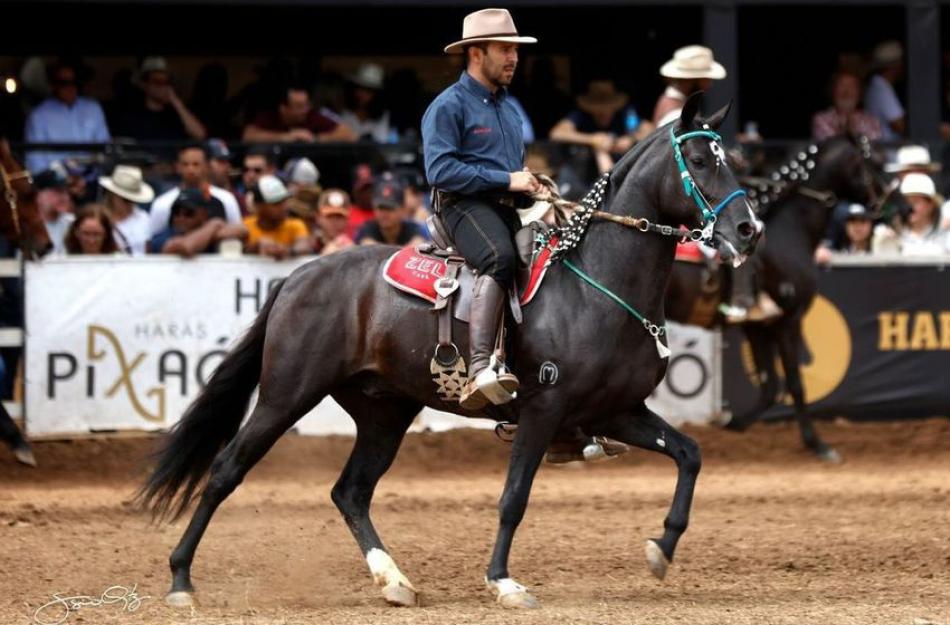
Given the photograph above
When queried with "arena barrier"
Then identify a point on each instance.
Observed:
(877, 343)
(118, 344)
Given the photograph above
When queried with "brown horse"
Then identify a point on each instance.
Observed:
(21, 225)
(335, 327)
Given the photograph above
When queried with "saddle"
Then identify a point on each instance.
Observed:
(436, 273)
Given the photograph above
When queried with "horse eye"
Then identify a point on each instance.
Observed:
(696, 160)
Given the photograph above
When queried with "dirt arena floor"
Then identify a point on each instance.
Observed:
(776, 537)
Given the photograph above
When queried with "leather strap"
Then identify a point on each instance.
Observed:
(443, 303)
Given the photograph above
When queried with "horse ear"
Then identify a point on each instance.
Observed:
(715, 120)
(690, 109)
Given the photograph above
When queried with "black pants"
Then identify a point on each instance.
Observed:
(484, 234)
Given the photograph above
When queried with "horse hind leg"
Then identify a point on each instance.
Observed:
(266, 424)
(789, 345)
(644, 429)
(380, 427)
(762, 346)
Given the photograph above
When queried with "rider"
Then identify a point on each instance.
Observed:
(474, 156)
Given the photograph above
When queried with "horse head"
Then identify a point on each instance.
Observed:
(20, 220)
(701, 191)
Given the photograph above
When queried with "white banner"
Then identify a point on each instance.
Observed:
(119, 344)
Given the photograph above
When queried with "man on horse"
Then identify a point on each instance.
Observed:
(474, 155)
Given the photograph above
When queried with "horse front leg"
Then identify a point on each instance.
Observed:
(645, 429)
(535, 432)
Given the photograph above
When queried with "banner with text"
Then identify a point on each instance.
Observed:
(118, 344)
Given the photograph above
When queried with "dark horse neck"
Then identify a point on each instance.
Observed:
(634, 265)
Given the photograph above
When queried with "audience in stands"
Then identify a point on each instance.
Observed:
(124, 189)
(193, 171)
(845, 114)
(194, 227)
(881, 99)
(364, 110)
(390, 225)
(361, 208)
(296, 121)
(91, 232)
(333, 211)
(159, 114)
(55, 205)
(64, 117)
(921, 232)
(271, 230)
(220, 171)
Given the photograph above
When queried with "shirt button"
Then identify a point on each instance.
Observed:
(485, 101)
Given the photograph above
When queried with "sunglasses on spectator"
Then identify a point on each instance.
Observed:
(256, 170)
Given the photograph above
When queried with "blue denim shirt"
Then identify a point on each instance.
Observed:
(472, 138)
(53, 121)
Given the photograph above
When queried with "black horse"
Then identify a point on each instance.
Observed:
(334, 327)
(21, 225)
(796, 204)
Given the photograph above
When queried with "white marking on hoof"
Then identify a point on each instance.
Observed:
(511, 594)
(181, 599)
(25, 456)
(397, 589)
(656, 560)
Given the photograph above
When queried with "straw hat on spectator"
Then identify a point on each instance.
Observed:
(912, 158)
(920, 184)
(887, 54)
(693, 62)
(368, 76)
(601, 96)
(126, 182)
(487, 25)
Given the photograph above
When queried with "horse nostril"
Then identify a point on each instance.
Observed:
(746, 230)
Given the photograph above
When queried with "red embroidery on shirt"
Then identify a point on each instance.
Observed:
(481, 130)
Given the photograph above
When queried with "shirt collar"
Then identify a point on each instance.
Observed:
(479, 89)
(673, 92)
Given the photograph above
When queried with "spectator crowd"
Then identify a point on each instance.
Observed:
(263, 198)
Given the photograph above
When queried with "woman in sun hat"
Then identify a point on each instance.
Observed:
(124, 189)
(920, 233)
(363, 110)
(691, 69)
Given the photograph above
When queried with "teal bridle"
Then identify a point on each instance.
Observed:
(710, 213)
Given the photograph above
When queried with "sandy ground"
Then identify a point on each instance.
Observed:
(775, 537)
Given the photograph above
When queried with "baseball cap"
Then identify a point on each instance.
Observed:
(858, 211)
(218, 150)
(193, 199)
(53, 178)
(334, 202)
(387, 192)
(271, 190)
(301, 171)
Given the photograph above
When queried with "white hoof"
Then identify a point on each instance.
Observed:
(25, 456)
(831, 456)
(180, 599)
(656, 561)
(400, 596)
(511, 594)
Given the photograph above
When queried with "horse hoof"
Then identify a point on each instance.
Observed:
(521, 600)
(656, 560)
(180, 599)
(400, 596)
(829, 455)
(24, 455)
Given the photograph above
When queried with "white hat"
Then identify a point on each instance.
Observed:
(271, 190)
(369, 75)
(302, 171)
(153, 64)
(887, 53)
(920, 184)
(126, 182)
(488, 25)
(693, 62)
(911, 157)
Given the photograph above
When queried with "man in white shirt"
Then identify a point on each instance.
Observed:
(193, 169)
(880, 99)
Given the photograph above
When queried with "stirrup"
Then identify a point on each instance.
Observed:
(494, 384)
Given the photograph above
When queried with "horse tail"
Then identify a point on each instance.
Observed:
(209, 423)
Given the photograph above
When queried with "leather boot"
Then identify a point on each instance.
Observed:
(488, 303)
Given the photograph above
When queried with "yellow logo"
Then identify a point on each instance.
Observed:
(827, 351)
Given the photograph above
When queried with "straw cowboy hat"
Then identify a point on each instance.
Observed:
(126, 182)
(693, 62)
(912, 158)
(488, 25)
(368, 76)
(921, 184)
(601, 96)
